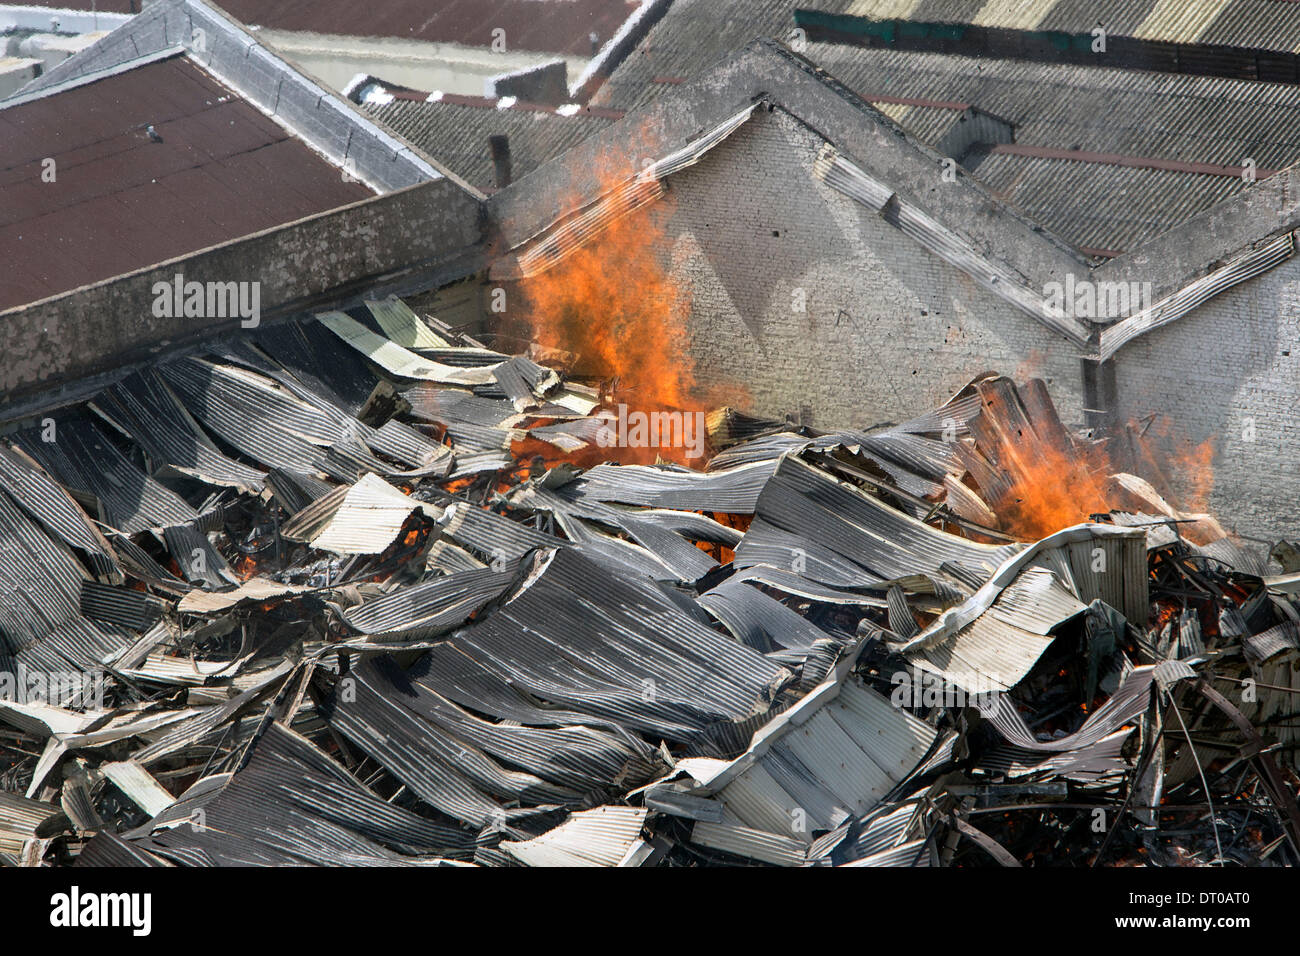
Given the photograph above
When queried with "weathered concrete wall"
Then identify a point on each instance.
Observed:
(1230, 372)
(887, 330)
(101, 327)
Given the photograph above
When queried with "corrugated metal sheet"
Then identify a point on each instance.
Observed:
(1117, 17)
(696, 35)
(123, 606)
(843, 175)
(1180, 20)
(108, 849)
(1130, 698)
(45, 500)
(1016, 14)
(256, 589)
(994, 652)
(448, 406)
(637, 190)
(583, 227)
(19, 820)
(291, 804)
(367, 520)
(732, 491)
(750, 843)
(833, 532)
(585, 757)
(403, 326)
(449, 774)
(832, 756)
(1263, 24)
(253, 415)
(1186, 118)
(906, 854)
(1178, 304)
(199, 561)
(524, 381)
(758, 620)
(456, 134)
(990, 641)
(143, 407)
(492, 535)
(1097, 207)
(86, 460)
(391, 356)
(1259, 24)
(432, 607)
(41, 624)
(600, 837)
(1280, 639)
(313, 354)
(138, 784)
(590, 637)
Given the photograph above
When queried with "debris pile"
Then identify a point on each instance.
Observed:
(356, 589)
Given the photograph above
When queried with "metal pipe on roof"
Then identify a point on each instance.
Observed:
(500, 146)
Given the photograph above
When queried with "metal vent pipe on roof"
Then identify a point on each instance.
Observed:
(500, 146)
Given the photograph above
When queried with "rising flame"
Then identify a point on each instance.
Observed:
(1054, 490)
(1057, 487)
(614, 303)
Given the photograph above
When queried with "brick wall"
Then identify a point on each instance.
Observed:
(1230, 372)
(889, 330)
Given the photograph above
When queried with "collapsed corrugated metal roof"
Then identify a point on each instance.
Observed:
(290, 605)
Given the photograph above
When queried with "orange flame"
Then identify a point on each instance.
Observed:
(1057, 487)
(614, 303)
(1054, 490)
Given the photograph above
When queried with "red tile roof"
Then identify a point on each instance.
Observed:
(121, 201)
(549, 26)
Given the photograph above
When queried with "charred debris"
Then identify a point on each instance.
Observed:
(341, 591)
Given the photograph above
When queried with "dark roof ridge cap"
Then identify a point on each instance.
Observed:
(1123, 50)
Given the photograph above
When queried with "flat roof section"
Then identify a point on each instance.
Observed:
(121, 199)
(545, 26)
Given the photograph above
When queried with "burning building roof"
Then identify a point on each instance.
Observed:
(357, 584)
(334, 592)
